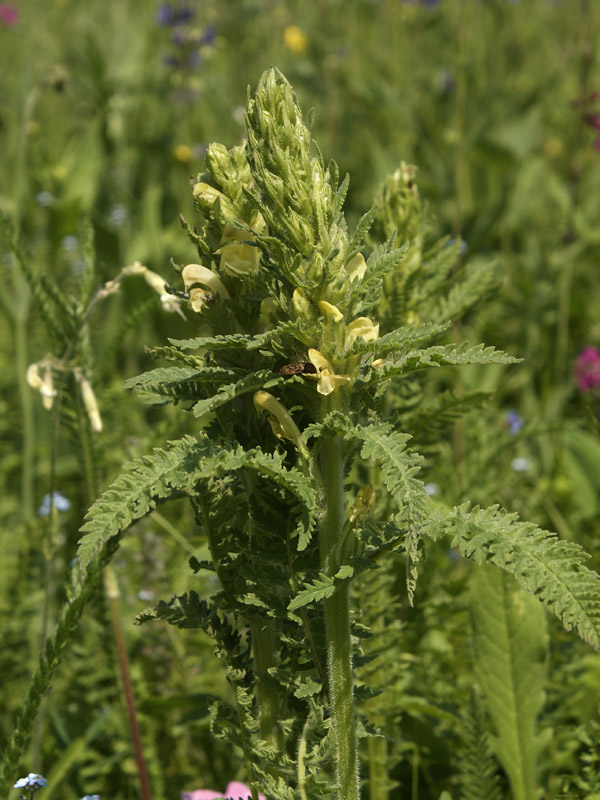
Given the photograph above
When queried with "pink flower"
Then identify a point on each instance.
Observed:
(9, 15)
(587, 370)
(234, 791)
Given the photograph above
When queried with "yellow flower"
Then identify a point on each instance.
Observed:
(294, 39)
(327, 380)
(329, 310)
(243, 257)
(356, 267)
(43, 385)
(206, 195)
(193, 274)
(89, 401)
(183, 153)
(280, 420)
(363, 327)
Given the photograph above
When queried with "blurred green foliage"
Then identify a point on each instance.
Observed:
(105, 114)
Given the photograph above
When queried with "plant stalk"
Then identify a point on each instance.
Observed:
(337, 625)
(113, 595)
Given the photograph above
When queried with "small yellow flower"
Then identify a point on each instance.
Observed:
(183, 153)
(244, 256)
(294, 39)
(356, 267)
(206, 195)
(331, 311)
(363, 327)
(280, 420)
(89, 401)
(553, 147)
(193, 274)
(327, 380)
(44, 386)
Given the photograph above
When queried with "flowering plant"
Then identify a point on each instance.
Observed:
(297, 463)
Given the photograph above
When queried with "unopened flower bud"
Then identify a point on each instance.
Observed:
(365, 500)
(90, 402)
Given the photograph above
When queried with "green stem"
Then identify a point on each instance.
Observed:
(113, 596)
(264, 647)
(337, 625)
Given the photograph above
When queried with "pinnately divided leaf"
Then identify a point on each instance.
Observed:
(510, 644)
(249, 383)
(187, 462)
(554, 571)
(439, 356)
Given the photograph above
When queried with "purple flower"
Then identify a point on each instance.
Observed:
(209, 34)
(234, 791)
(593, 119)
(9, 15)
(514, 421)
(587, 370)
(171, 15)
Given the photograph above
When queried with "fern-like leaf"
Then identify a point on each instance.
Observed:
(188, 461)
(439, 356)
(510, 639)
(554, 571)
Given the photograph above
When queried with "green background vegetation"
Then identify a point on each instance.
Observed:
(487, 99)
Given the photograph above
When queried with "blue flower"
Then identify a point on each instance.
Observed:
(60, 502)
(91, 797)
(44, 199)
(70, 243)
(32, 782)
(514, 421)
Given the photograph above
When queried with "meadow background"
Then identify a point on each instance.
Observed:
(105, 113)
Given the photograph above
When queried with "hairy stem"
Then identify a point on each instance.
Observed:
(337, 625)
(264, 647)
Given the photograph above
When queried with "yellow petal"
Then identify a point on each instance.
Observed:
(319, 361)
(329, 310)
(363, 327)
(196, 273)
(356, 267)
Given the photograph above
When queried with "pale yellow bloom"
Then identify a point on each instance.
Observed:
(327, 380)
(294, 39)
(207, 195)
(331, 311)
(193, 274)
(365, 500)
(356, 267)
(89, 401)
(170, 302)
(301, 305)
(183, 153)
(363, 327)
(280, 420)
(240, 255)
(43, 385)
